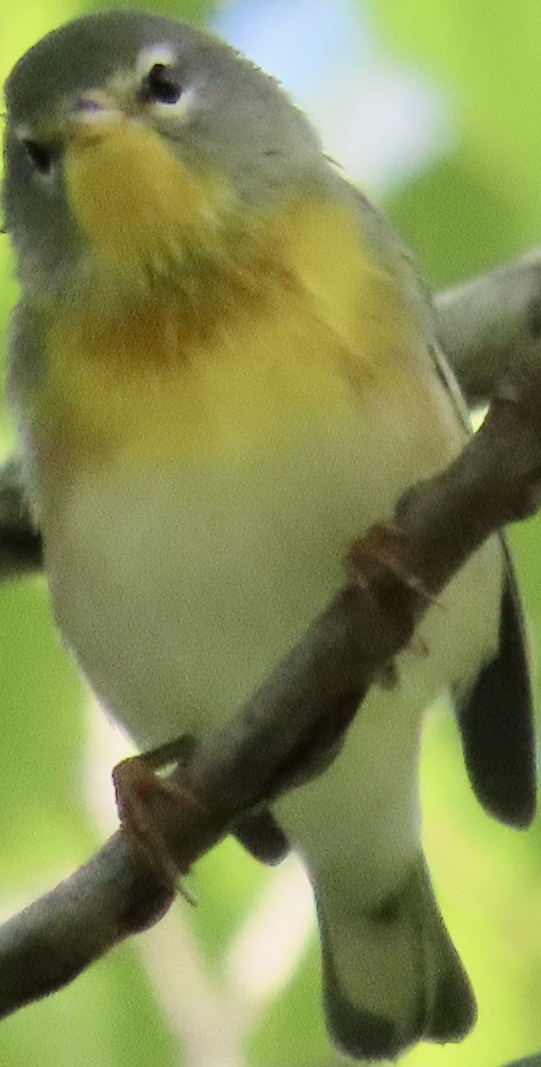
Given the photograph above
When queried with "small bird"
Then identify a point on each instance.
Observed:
(223, 369)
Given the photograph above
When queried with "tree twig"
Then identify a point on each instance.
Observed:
(491, 322)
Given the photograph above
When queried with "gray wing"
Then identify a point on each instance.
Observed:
(496, 716)
(496, 720)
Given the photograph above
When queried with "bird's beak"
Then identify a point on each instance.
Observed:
(89, 119)
(126, 188)
(81, 122)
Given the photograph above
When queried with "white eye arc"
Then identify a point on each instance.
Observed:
(160, 85)
(149, 57)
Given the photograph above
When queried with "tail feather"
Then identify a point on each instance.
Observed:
(391, 973)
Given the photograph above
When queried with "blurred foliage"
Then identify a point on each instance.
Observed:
(477, 204)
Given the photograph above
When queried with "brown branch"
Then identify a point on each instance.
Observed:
(394, 572)
(492, 322)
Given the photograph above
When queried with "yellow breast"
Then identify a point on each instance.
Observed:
(307, 329)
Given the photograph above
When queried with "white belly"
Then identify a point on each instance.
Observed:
(179, 589)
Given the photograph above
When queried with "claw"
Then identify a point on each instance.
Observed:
(149, 804)
(381, 546)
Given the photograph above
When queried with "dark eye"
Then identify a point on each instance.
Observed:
(40, 156)
(161, 85)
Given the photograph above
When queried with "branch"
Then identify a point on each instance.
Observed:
(394, 573)
(492, 322)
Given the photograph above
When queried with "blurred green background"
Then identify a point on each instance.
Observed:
(434, 106)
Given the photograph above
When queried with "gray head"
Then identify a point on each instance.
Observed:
(217, 112)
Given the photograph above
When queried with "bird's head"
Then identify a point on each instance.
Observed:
(137, 146)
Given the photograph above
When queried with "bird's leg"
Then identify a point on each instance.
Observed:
(149, 799)
(384, 547)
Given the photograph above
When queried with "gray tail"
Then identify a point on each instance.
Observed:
(391, 973)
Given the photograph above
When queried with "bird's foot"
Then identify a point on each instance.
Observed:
(150, 804)
(383, 546)
(380, 555)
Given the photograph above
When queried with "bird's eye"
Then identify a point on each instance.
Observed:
(161, 85)
(40, 156)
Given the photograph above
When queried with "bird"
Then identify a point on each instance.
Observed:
(224, 367)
